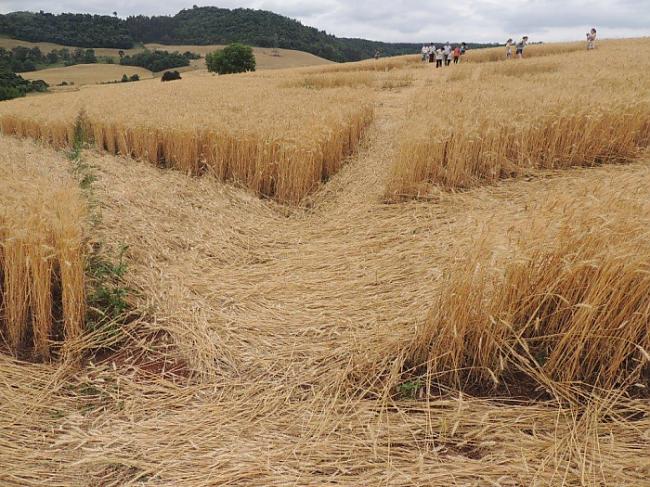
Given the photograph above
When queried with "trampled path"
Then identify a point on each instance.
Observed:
(300, 285)
(286, 318)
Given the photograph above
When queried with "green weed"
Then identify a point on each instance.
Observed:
(409, 389)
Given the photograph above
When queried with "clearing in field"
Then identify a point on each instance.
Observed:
(492, 336)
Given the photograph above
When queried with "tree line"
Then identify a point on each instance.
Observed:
(22, 59)
(198, 25)
(158, 60)
(78, 30)
(13, 85)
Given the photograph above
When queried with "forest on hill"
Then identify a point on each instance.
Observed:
(198, 25)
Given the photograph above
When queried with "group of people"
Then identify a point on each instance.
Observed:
(443, 56)
(519, 47)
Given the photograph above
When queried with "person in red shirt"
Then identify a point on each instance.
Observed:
(457, 54)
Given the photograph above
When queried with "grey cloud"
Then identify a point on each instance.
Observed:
(536, 16)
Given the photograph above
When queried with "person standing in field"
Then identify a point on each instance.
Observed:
(520, 46)
(457, 55)
(591, 39)
(425, 53)
(447, 54)
(432, 53)
(463, 48)
(440, 56)
(509, 43)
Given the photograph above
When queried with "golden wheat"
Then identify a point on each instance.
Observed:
(378, 65)
(243, 363)
(42, 288)
(492, 54)
(271, 344)
(353, 79)
(571, 300)
(514, 116)
(279, 142)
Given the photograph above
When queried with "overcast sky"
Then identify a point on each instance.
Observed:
(409, 20)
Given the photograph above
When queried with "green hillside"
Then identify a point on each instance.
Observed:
(199, 25)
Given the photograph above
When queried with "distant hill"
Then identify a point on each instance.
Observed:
(199, 25)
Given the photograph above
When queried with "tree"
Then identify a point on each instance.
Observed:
(89, 56)
(156, 60)
(235, 58)
(52, 57)
(170, 76)
(13, 85)
(39, 85)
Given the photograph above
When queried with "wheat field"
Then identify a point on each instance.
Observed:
(372, 65)
(492, 336)
(42, 256)
(487, 122)
(531, 51)
(567, 300)
(278, 142)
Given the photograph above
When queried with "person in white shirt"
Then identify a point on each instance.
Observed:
(440, 56)
(509, 44)
(425, 53)
(591, 39)
(447, 54)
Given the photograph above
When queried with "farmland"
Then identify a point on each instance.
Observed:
(266, 58)
(86, 74)
(367, 309)
(80, 75)
(217, 132)
(504, 119)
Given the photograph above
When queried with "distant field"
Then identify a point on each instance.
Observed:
(86, 74)
(286, 58)
(8, 43)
